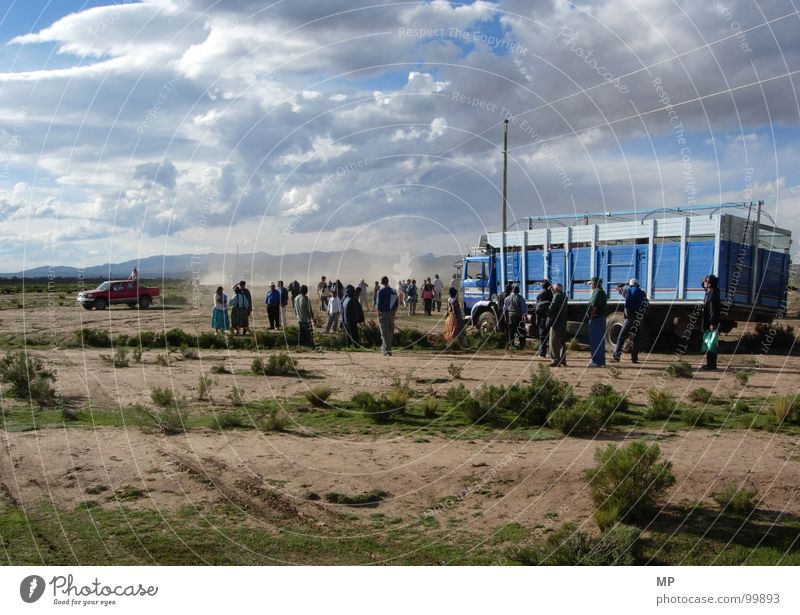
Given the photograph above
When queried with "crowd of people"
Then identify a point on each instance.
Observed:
(345, 307)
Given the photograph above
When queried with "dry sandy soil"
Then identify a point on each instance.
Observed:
(504, 478)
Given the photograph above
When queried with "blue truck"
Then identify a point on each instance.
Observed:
(669, 251)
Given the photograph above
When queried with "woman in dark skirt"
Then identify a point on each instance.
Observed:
(711, 313)
(240, 308)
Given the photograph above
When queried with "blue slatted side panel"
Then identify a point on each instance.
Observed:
(666, 268)
(774, 273)
(557, 266)
(535, 271)
(620, 267)
(735, 272)
(513, 271)
(699, 264)
(580, 272)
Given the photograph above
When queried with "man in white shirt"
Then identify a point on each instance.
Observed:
(438, 287)
(334, 309)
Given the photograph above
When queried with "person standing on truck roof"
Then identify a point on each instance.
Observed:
(438, 287)
(543, 300)
(387, 308)
(514, 309)
(635, 308)
(219, 313)
(134, 276)
(711, 311)
(557, 326)
(596, 313)
(305, 318)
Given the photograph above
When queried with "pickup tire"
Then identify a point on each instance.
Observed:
(145, 302)
(100, 303)
(88, 305)
(613, 328)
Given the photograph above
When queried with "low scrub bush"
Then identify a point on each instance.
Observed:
(369, 498)
(786, 409)
(190, 353)
(163, 396)
(168, 421)
(661, 405)
(455, 371)
(271, 420)
(743, 376)
(680, 369)
(600, 389)
(28, 378)
(162, 360)
(567, 546)
(736, 497)
(626, 482)
(544, 395)
(235, 396)
(70, 413)
(430, 405)
(587, 416)
(739, 407)
(694, 417)
(229, 420)
(118, 359)
(376, 408)
(700, 395)
(279, 364)
(204, 385)
(93, 338)
(220, 369)
(318, 396)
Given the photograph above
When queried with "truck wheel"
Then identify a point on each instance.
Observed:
(145, 302)
(88, 305)
(100, 303)
(613, 328)
(487, 323)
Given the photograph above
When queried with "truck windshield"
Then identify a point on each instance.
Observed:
(104, 286)
(474, 270)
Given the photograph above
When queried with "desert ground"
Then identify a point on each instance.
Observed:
(91, 481)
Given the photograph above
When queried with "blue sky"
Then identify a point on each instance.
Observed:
(175, 126)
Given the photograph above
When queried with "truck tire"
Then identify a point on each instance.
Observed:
(144, 302)
(613, 328)
(487, 322)
(100, 303)
(88, 305)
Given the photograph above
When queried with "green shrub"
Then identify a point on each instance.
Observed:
(163, 396)
(700, 395)
(736, 498)
(627, 481)
(743, 376)
(93, 338)
(585, 417)
(318, 396)
(618, 546)
(457, 394)
(162, 360)
(229, 420)
(28, 378)
(119, 359)
(693, 417)
(544, 395)
(69, 413)
(378, 409)
(455, 371)
(280, 364)
(220, 369)
(739, 407)
(397, 399)
(271, 420)
(786, 409)
(661, 405)
(236, 397)
(680, 369)
(169, 420)
(137, 355)
(601, 389)
(190, 353)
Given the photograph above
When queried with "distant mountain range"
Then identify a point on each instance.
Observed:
(261, 267)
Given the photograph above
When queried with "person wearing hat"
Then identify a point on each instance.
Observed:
(596, 314)
(635, 309)
(248, 296)
(711, 316)
(284, 302)
(514, 310)
(352, 316)
(273, 302)
(557, 326)
(543, 300)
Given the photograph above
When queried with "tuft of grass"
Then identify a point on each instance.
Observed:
(318, 396)
(376, 408)
(430, 405)
(661, 405)
(229, 420)
(736, 497)
(236, 397)
(168, 421)
(601, 389)
(368, 498)
(69, 413)
(279, 364)
(190, 353)
(162, 360)
(743, 376)
(680, 369)
(739, 407)
(204, 385)
(455, 371)
(701, 395)
(137, 355)
(220, 369)
(567, 546)
(786, 409)
(693, 417)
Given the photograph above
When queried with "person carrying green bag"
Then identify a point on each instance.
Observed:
(711, 311)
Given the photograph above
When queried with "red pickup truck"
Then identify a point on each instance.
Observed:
(129, 292)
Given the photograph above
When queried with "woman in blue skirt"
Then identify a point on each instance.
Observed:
(219, 314)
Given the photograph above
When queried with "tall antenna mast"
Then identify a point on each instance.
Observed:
(505, 175)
